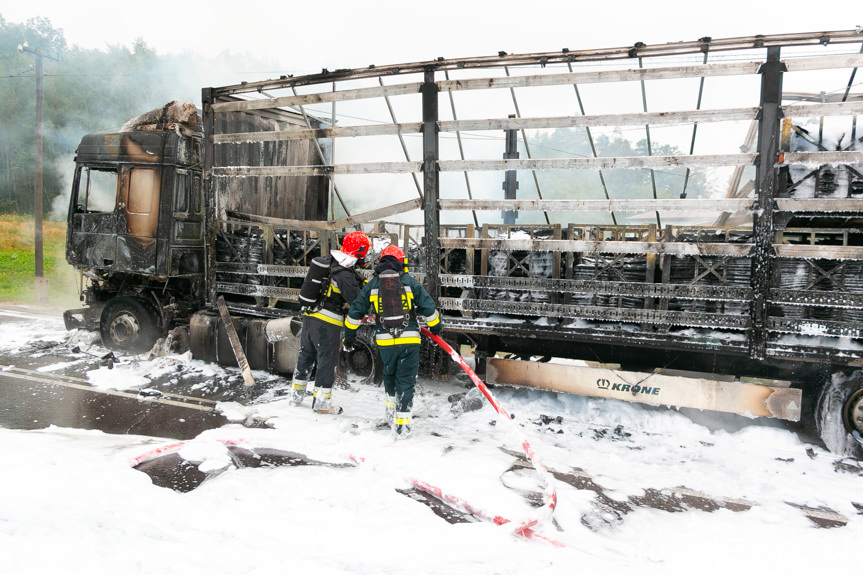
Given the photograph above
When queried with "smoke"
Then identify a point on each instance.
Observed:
(108, 88)
(60, 203)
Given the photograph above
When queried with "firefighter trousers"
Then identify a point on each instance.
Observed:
(401, 364)
(319, 343)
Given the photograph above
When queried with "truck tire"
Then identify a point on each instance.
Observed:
(364, 361)
(839, 415)
(129, 324)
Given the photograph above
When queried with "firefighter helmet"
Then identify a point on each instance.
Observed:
(356, 244)
(395, 251)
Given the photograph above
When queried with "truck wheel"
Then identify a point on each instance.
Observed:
(839, 415)
(364, 361)
(129, 324)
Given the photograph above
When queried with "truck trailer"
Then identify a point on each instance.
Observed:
(677, 224)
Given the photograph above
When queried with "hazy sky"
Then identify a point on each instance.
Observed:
(303, 37)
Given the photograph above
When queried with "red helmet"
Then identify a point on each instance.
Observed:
(395, 251)
(356, 244)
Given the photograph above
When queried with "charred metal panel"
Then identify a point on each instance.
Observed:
(182, 220)
(187, 231)
(93, 250)
(208, 189)
(288, 197)
(431, 179)
(96, 223)
(187, 261)
(136, 255)
(125, 147)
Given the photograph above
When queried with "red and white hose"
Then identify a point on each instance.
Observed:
(174, 447)
(523, 528)
(543, 513)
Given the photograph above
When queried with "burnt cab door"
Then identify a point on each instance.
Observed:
(114, 218)
(138, 192)
(91, 241)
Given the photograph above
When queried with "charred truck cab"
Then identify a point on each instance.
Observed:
(135, 227)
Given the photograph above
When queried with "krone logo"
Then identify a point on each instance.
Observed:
(606, 385)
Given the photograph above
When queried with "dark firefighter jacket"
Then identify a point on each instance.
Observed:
(343, 289)
(417, 298)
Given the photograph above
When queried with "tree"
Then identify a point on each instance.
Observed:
(620, 183)
(18, 113)
(83, 91)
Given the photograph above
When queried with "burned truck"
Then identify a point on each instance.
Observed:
(677, 224)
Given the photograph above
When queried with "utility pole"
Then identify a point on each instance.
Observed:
(41, 283)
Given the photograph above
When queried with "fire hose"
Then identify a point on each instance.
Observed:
(524, 527)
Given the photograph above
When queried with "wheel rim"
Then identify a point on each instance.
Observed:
(360, 362)
(852, 415)
(124, 329)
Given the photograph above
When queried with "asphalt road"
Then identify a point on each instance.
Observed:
(33, 397)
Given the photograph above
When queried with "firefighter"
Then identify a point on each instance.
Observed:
(397, 299)
(330, 285)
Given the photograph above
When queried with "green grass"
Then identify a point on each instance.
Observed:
(17, 262)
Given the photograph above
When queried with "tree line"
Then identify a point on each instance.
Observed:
(84, 91)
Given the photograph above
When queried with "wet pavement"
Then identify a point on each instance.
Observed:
(32, 401)
(44, 383)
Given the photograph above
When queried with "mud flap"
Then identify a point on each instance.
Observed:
(84, 318)
(652, 388)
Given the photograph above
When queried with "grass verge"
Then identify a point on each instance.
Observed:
(18, 262)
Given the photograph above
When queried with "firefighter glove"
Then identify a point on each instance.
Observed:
(348, 345)
(436, 329)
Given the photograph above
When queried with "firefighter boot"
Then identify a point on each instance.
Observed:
(322, 402)
(298, 392)
(390, 410)
(402, 424)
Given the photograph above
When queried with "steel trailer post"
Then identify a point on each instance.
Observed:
(209, 189)
(510, 179)
(766, 175)
(431, 182)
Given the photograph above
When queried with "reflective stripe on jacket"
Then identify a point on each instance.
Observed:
(368, 301)
(343, 289)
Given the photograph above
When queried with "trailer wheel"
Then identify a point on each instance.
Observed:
(364, 361)
(839, 415)
(129, 324)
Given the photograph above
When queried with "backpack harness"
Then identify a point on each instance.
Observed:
(316, 287)
(395, 307)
